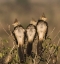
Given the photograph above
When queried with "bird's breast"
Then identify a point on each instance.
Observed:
(31, 34)
(19, 35)
(41, 29)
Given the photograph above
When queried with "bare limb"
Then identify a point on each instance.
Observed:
(52, 31)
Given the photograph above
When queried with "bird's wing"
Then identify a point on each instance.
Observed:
(46, 30)
(15, 37)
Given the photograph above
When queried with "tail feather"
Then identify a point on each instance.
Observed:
(39, 48)
(21, 53)
(29, 48)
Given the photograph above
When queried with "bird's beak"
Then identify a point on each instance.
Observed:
(43, 18)
(33, 22)
(13, 24)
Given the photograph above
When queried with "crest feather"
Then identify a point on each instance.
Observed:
(43, 17)
(33, 21)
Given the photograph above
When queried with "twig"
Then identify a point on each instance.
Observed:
(12, 49)
(8, 57)
(58, 42)
(56, 35)
(52, 53)
(52, 31)
(5, 30)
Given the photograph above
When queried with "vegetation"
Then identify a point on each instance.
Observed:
(9, 55)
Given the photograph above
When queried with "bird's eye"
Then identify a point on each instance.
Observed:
(28, 27)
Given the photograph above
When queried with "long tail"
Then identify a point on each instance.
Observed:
(21, 54)
(29, 48)
(39, 48)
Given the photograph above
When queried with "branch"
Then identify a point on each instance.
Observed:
(8, 58)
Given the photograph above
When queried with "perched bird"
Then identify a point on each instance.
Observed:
(19, 35)
(30, 33)
(42, 30)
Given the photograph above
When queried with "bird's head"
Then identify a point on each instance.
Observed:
(16, 23)
(43, 17)
(33, 22)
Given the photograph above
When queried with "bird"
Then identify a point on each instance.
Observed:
(19, 35)
(30, 34)
(42, 31)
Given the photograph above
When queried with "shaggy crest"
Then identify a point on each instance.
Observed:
(43, 17)
(16, 23)
(33, 22)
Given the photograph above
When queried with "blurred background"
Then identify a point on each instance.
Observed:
(25, 10)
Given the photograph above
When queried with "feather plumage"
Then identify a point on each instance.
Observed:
(19, 35)
(42, 30)
(31, 33)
